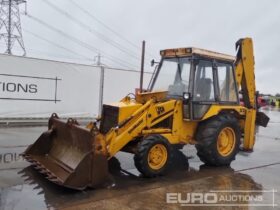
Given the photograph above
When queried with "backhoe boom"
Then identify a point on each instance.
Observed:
(245, 78)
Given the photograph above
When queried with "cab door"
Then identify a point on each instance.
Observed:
(204, 88)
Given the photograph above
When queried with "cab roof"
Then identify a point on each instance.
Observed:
(189, 51)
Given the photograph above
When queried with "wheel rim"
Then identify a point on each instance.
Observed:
(157, 156)
(226, 141)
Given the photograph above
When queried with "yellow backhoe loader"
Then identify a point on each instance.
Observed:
(193, 98)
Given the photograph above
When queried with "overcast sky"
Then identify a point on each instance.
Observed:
(214, 25)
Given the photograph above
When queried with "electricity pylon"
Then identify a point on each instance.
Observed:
(10, 25)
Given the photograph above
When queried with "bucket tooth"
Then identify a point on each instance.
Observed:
(26, 158)
(22, 173)
(37, 187)
(33, 162)
(28, 179)
(43, 171)
(50, 176)
(29, 159)
(55, 180)
(25, 155)
(33, 182)
(41, 192)
(38, 167)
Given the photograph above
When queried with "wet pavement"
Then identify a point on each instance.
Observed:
(256, 174)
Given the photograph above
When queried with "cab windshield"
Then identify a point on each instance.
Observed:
(173, 76)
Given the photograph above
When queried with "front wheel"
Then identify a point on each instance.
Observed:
(218, 140)
(153, 156)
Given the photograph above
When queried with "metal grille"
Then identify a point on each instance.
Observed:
(110, 115)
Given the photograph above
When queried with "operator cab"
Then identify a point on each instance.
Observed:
(205, 77)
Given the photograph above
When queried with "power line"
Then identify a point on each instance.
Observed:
(58, 46)
(83, 44)
(103, 24)
(107, 27)
(55, 44)
(18, 49)
(91, 30)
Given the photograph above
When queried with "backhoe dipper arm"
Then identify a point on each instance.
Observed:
(245, 78)
(245, 72)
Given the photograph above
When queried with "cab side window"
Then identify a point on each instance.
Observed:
(203, 85)
(226, 82)
(203, 91)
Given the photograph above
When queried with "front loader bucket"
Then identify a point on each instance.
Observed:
(70, 155)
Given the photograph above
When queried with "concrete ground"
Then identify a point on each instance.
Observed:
(253, 179)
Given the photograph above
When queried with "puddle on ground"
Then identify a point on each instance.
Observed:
(38, 193)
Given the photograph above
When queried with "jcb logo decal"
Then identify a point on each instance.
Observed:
(160, 110)
(243, 111)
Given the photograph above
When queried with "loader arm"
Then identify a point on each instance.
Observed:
(140, 123)
(245, 78)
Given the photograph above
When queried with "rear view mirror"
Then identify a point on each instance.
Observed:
(153, 62)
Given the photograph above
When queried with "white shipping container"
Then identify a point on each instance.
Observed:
(35, 88)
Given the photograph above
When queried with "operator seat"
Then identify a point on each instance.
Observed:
(202, 93)
(203, 89)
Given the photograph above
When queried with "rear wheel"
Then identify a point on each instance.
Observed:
(218, 140)
(153, 156)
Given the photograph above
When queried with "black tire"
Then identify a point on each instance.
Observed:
(114, 166)
(207, 138)
(142, 155)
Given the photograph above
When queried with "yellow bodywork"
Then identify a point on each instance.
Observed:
(245, 77)
(146, 123)
(138, 119)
